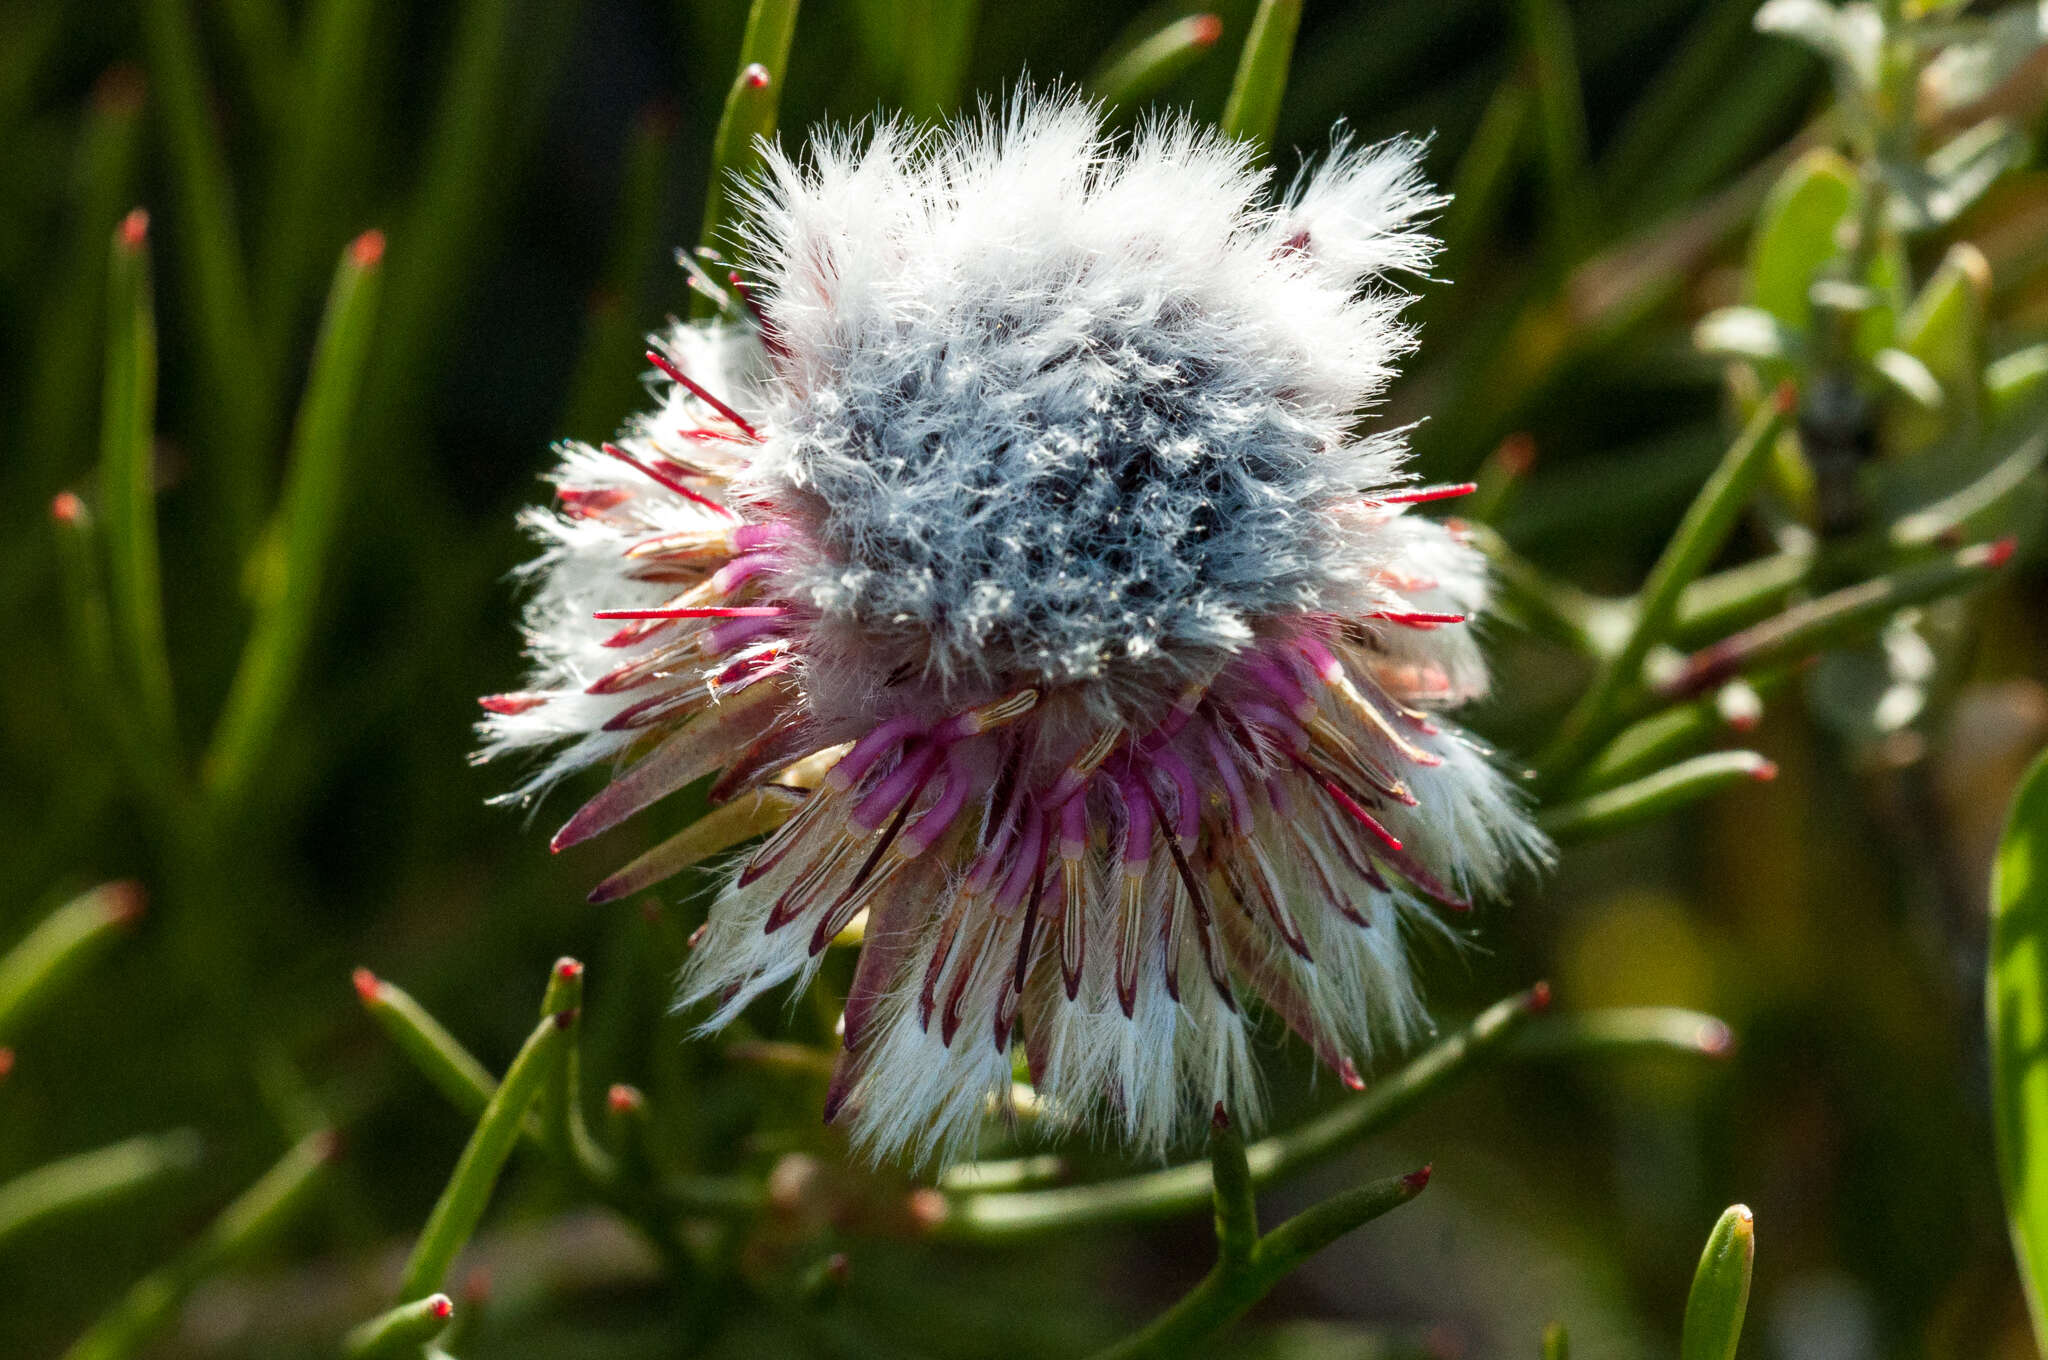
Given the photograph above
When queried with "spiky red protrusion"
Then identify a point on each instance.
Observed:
(1418, 1180)
(696, 389)
(134, 230)
(441, 1306)
(755, 77)
(369, 988)
(367, 250)
(1423, 494)
(66, 508)
(568, 970)
(1204, 29)
(507, 705)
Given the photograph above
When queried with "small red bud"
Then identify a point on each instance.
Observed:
(441, 1306)
(1204, 30)
(368, 988)
(367, 250)
(1765, 772)
(624, 1099)
(1716, 1040)
(568, 970)
(65, 508)
(134, 229)
(756, 76)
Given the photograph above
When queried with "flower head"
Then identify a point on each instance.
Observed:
(1022, 549)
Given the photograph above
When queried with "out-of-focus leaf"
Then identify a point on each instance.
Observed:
(2013, 381)
(1965, 72)
(1908, 377)
(1944, 330)
(1850, 36)
(2016, 1009)
(1795, 234)
(1254, 108)
(1935, 192)
(1720, 1289)
(1747, 333)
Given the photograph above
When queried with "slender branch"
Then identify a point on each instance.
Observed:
(1653, 795)
(1237, 1212)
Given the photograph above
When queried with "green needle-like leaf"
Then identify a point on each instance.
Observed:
(1654, 795)
(292, 557)
(54, 953)
(1253, 112)
(1720, 1289)
(750, 107)
(128, 485)
(468, 1192)
(92, 1179)
(1151, 65)
(402, 1330)
(2016, 1010)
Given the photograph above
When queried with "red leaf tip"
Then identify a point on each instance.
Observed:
(1204, 29)
(1765, 771)
(125, 903)
(1539, 998)
(65, 507)
(755, 76)
(367, 250)
(1715, 1039)
(1417, 1180)
(134, 229)
(368, 987)
(568, 970)
(1347, 1072)
(1219, 1118)
(441, 1306)
(624, 1099)
(1999, 552)
(6, 1062)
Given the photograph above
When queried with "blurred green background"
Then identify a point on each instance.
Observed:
(534, 164)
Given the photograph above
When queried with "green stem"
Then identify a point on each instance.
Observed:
(1234, 1285)
(1253, 111)
(1230, 1177)
(1700, 535)
(244, 1226)
(1008, 1215)
(750, 108)
(402, 1330)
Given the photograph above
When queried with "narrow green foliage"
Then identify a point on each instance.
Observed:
(2016, 1010)
(561, 1102)
(1560, 115)
(1557, 1345)
(237, 370)
(750, 107)
(1253, 112)
(402, 1330)
(1153, 64)
(1700, 535)
(439, 1056)
(468, 1192)
(1664, 737)
(1653, 795)
(1720, 1289)
(1485, 173)
(262, 1211)
(58, 405)
(1237, 1214)
(92, 1180)
(58, 949)
(1618, 1031)
(938, 41)
(605, 383)
(292, 557)
(128, 485)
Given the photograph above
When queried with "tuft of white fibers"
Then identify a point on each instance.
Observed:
(1020, 534)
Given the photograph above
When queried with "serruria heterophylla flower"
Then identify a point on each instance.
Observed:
(1018, 533)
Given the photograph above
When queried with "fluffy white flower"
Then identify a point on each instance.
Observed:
(1023, 550)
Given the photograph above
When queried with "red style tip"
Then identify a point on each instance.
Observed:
(1999, 552)
(1786, 398)
(1539, 998)
(330, 1146)
(1347, 1072)
(134, 229)
(65, 508)
(441, 1306)
(368, 987)
(568, 970)
(755, 77)
(1204, 30)
(1219, 1118)
(125, 903)
(624, 1099)
(1416, 1181)
(367, 250)
(1765, 771)
(1517, 454)
(1423, 494)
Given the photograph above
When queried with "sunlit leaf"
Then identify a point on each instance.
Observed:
(1795, 234)
(2016, 1009)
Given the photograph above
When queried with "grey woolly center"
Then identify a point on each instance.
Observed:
(1059, 499)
